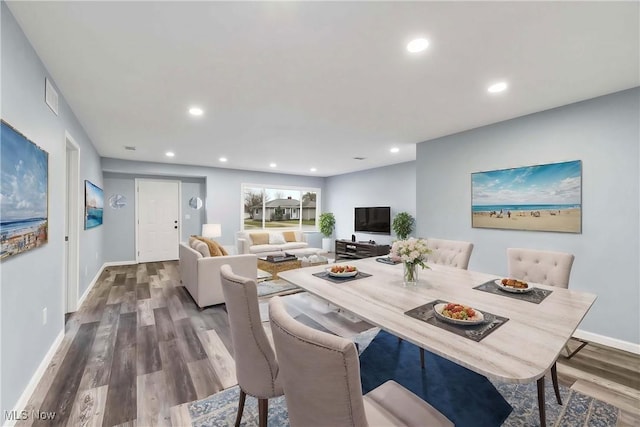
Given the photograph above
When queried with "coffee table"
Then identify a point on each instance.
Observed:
(276, 267)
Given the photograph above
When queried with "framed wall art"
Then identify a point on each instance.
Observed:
(24, 211)
(93, 205)
(537, 198)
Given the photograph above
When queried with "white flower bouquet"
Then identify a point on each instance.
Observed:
(410, 251)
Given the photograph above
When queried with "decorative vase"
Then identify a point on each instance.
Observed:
(410, 277)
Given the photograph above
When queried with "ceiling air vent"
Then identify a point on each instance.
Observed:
(359, 158)
(130, 148)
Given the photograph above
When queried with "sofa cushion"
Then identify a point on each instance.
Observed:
(259, 238)
(293, 245)
(257, 249)
(276, 238)
(289, 236)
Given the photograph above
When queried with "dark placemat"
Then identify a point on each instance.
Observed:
(473, 332)
(324, 275)
(536, 296)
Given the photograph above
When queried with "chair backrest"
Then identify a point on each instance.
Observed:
(545, 267)
(256, 365)
(454, 253)
(320, 373)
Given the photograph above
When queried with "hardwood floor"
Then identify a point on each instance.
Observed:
(139, 345)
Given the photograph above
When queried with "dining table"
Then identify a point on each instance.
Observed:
(519, 340)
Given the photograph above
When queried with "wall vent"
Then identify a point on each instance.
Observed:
(50, 96)
(130, 148)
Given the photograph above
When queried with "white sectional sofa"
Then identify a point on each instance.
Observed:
(200, 273)
(274, 242)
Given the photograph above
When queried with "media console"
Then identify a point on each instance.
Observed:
(349, 249)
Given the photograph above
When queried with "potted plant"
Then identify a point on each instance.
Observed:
(327, 225)
(403, 225)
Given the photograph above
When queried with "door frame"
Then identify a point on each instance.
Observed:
(71, 271)
(137, 219)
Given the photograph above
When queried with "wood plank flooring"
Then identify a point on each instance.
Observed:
(139, 346)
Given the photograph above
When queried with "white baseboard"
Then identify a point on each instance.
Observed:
(608, 341)
(36, 377)
(117, 263)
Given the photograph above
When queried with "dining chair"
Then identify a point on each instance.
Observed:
(256, 364)
(454, 253)
(321, 377)
(547, 268)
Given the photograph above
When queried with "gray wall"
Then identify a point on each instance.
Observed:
(34, 280)
(223, 201)
(119, 224)
(393, 186)
(604, 133)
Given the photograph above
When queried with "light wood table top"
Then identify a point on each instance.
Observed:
(521, 351)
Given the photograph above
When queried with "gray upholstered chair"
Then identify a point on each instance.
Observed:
(454, 253)
(547, 268)
(321, 377)
(256, 364)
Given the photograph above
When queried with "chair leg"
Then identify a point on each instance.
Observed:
(422, 357)
(541, 409)
(554, 379)
(243, 397)
(263, 409)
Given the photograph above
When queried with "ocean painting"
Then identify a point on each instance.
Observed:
(536, 198)
(93, 205)
(23, 193)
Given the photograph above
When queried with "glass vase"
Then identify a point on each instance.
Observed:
(410, 277)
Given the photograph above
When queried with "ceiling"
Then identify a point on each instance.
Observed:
(316, 84)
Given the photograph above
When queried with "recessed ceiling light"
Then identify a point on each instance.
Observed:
(313, 169)
(169, 154)
(497, 87)
(394, 150)
(417, 45)
(195, 111)
(272, 165)
(222, 159)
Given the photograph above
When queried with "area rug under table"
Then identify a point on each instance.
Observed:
(466, 398)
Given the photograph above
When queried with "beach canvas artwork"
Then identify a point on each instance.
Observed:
(537, 198)
(23, 193)
(93, 205)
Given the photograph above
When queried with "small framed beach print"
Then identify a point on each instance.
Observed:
(535, 198)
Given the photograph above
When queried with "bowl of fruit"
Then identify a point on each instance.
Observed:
(342, 271)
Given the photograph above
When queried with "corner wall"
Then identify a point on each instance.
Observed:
(604, 133)
(393, 186)
(34, 280)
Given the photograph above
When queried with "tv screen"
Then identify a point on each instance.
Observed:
(373, 220)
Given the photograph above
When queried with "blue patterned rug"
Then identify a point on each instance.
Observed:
(467, 399)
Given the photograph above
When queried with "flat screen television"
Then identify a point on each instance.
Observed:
(373, 220)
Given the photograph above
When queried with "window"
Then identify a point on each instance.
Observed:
(280, 207)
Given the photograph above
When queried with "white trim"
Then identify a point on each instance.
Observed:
(70, 296)
(608, 341)
(36, 377)
(118, 263)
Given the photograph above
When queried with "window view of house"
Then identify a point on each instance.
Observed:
(266, 207)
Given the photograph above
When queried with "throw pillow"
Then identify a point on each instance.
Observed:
(260, 238)
(276, 238)
(221, 248)
(213, 246)
(289, 236)
(202, 248)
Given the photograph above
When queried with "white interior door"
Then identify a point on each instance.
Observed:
(158, 220)
(72, 226)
